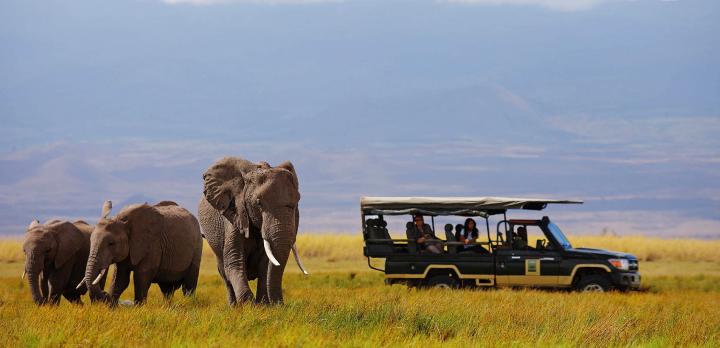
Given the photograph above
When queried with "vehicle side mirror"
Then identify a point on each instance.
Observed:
(539, 244)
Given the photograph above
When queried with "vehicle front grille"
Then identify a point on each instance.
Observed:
(634, 266)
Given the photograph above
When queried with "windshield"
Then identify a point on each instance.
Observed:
(559, 236)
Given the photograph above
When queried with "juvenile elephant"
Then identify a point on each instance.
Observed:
(249, 214)
(55, 257)
(159, 244)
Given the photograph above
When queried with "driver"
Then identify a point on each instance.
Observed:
(520, 238)
(423, 235)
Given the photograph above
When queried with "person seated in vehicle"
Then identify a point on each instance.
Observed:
(424, 236)
(520, 239)
(470, 235)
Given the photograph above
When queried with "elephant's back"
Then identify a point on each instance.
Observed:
(84, 227)
(182, 223)
(182, 238)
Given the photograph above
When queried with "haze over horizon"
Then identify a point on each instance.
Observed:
(616, 103)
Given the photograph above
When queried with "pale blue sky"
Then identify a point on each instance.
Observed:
(613, 102)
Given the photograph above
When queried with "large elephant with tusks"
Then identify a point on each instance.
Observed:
(249, 216)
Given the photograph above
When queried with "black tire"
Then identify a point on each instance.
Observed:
(593, 283)
(442, 282)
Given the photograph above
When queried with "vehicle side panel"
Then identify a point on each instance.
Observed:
(465, 267)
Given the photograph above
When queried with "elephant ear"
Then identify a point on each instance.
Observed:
(33, 224)
(287, 165)
(145, 225)
(223, 182)
(69, 239)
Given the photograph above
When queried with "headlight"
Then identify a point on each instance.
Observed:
(621, 264)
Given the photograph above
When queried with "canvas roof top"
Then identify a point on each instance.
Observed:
(463, 206)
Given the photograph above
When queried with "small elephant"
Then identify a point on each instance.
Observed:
(55, 257)
(249, 215)
(159, 244)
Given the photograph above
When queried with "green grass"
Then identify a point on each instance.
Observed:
(342, 303)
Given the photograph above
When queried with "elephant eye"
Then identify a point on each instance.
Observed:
(111, 243)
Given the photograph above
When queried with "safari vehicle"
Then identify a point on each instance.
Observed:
(545, 258)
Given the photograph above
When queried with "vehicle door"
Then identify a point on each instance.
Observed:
(528, 263)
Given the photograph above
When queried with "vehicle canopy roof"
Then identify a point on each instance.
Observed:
(462, 206)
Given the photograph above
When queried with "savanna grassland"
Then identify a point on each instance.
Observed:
(343, 303)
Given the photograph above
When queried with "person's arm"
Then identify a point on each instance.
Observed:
(417, 235)
(473, 238)
(429, 232)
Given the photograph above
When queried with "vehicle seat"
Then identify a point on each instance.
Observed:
(376, 229)
(412, 245)
(450, 237)
(458, 231)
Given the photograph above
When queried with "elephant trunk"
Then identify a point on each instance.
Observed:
(33, 267)
(278, 237)
(275, 273)
(92, 273)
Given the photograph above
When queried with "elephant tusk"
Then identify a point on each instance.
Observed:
(23, 276)
(80, 284)
(297, 259)
(247, 233)
(97, 280)
(270, 254)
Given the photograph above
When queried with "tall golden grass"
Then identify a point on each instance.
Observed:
(342, 303)
(337, 310)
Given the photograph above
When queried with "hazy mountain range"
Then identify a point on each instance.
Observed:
(613, 102)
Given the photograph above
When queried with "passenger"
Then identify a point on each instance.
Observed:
(470, 235)
(520, 239)
(424, 236)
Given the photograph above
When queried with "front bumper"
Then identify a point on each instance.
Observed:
(627, 280)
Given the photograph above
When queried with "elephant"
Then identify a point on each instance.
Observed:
(55, 257)
(159, 244)
(249, 215)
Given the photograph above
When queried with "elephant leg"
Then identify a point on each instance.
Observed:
(58, 283)
(55, 292)
(189, 283)
(228, 285)
(235, 266)
(72, 296)
(120, 282)
(239, 282)
(141, 281)
(167, 289)
(44, 286)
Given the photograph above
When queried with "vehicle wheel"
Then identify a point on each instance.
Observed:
(442, 282)
(593, 283)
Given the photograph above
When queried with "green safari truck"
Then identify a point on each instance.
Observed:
(508, 253)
